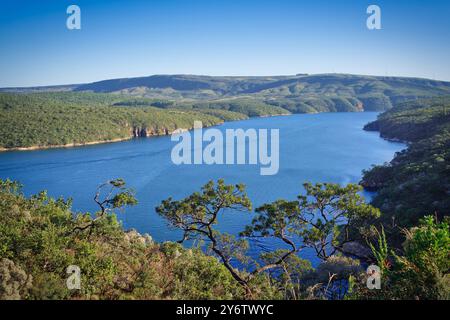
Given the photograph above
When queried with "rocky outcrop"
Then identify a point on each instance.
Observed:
(144, 132)
(179, 131)
(140, 132)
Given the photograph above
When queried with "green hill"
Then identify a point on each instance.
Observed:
(298, 93)
(122, 108)
(417, 181)
(56, 119)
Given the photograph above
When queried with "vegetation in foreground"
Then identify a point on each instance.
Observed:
(40, 237)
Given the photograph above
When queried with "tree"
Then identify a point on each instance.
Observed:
(324, 219)
(117, 197)
(196, 215)
(332, 215)
(320, 220)
(280, 219)
(289, 275)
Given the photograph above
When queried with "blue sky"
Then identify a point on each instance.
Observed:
(131, 38)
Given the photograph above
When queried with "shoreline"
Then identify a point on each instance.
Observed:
(74, 145)
(90, 143)
(69, 145)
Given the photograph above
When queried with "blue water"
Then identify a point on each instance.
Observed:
(327, 147)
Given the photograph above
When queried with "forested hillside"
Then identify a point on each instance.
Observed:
(298, 93)
(417, 181)
(301, 93)
(53, 119)
(122, 108)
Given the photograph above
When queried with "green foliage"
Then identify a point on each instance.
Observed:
(381, 252)
(248, 106)
(298, 94)
(119, 109)
(289, 277)
(38, 243)
(422, 272)
(118, 195)
(191, 265)
(428, 246)
(275, 219)
(321, 220)
(40, 237)
(334, 215)
(338, 266)
(53, 119)
(196, 214)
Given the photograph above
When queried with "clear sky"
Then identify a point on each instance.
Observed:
(131, 38)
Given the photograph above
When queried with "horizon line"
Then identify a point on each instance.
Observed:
(224, 76)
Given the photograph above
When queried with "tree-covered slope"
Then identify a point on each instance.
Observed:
(52, 119)
(121, 108)
(417, 181)
(297, 93)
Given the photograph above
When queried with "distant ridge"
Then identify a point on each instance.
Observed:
(296, 93)
(57, 88)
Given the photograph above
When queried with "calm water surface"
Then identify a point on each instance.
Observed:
(327, 147)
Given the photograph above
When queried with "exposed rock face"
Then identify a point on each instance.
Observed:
(144, 132)
(140, 132)
(179, 131)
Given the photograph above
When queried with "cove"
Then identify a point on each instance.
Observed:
(327, 147)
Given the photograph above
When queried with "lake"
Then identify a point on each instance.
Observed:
(326, 147)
